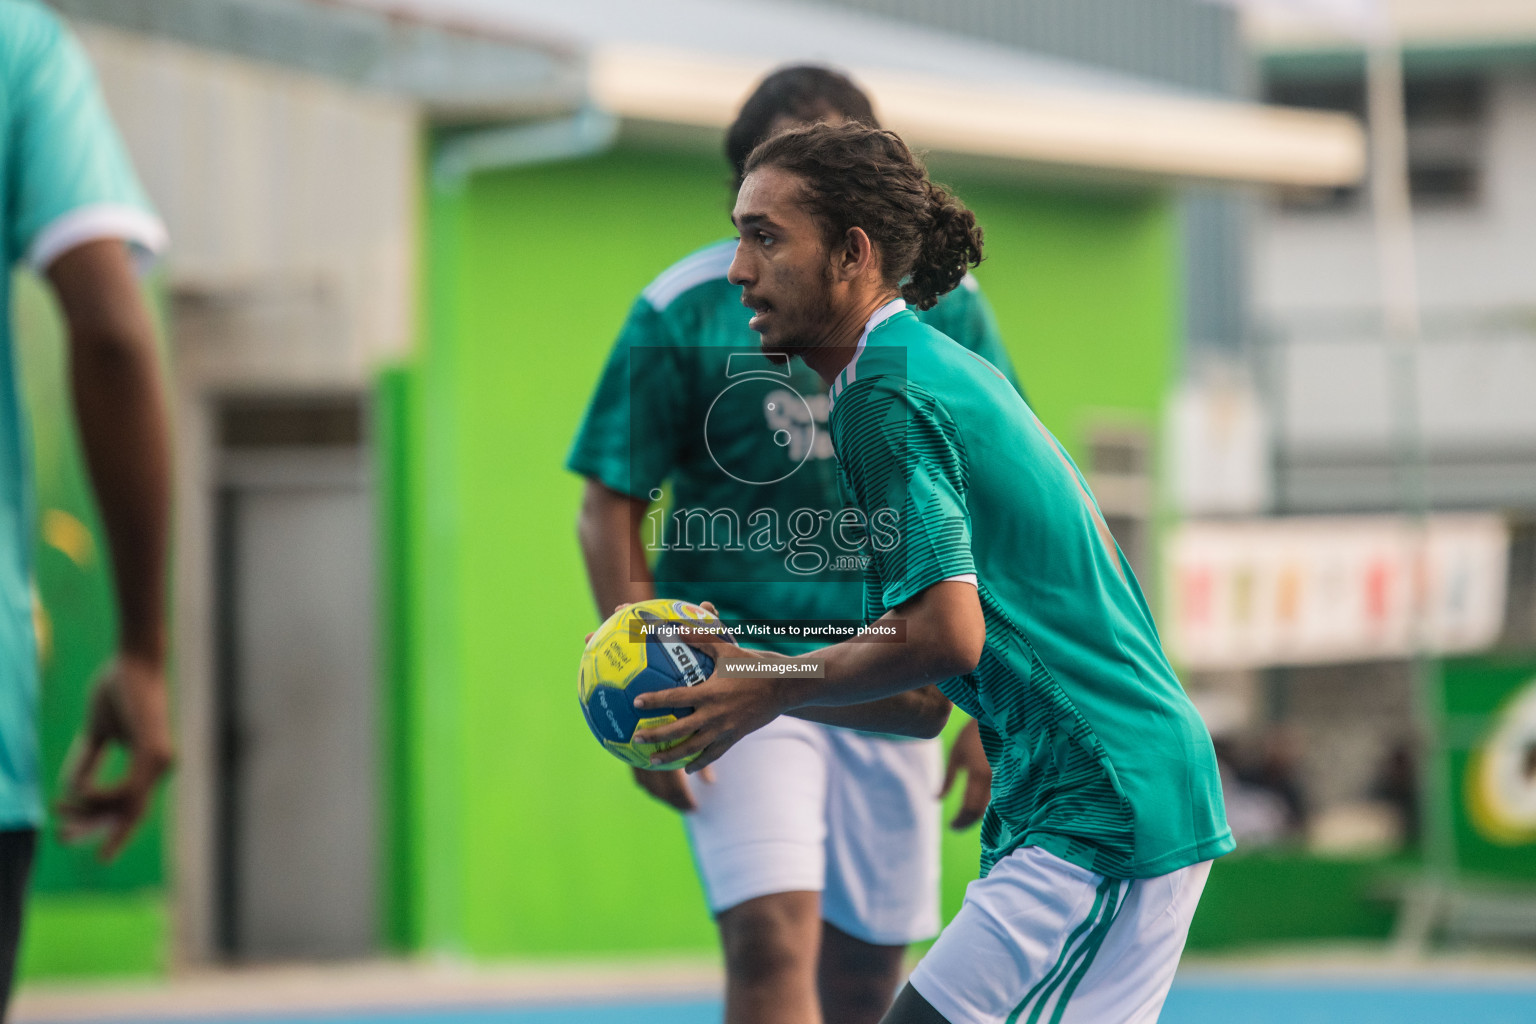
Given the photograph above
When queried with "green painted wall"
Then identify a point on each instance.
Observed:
(85, 917)
(521, 837)
(1268, 897)
(90, 935)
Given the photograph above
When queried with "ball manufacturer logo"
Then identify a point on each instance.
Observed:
(684, 660)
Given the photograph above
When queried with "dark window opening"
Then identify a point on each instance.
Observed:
(1446, 118)
(307, 422)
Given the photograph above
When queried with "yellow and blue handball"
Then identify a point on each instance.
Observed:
(636, 651)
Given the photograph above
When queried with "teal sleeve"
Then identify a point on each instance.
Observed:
(63, 149)
(628, 440)
(966, 316)
(902, 461)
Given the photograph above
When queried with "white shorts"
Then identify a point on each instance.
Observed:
(1043, 941)
(800, 807)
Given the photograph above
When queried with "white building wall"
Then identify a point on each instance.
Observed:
(1329, 374)
(1477, 258)
(291, 202)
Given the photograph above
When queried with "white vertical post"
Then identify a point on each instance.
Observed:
(1390, 205)
(1371, 22)
(1402, 329)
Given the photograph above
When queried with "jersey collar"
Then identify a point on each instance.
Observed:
(851, 371)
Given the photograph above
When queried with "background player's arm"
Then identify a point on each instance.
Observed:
(619, 462)
(968, 756)
(945, 633)
(120, 409)
(609, 530)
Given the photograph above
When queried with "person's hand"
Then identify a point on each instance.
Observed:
(130, 707)
(968, 756)
(671, 787)
(725, 708)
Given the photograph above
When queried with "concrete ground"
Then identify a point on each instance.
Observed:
(1319, 985)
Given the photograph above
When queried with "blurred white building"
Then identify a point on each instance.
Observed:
(1471, 107)
(1353, 435)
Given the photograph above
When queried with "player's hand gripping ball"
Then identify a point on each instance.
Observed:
(634, 653)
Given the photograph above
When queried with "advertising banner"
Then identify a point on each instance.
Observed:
(1309, 590)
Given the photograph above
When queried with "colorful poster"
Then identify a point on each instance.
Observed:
(1308, 590)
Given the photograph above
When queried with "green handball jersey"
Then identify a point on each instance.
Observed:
(1098, 756)
(733, 447)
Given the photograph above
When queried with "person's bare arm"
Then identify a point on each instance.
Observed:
(945, 634)
(968, 756)
(609, 531)
(921, 712)
(119, 400)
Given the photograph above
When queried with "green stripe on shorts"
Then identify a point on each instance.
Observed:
(1089, 949)
(1041, 993)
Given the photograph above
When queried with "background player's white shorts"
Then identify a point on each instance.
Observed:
(1043, 940)
(801, 807)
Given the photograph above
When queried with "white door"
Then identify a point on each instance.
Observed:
(301, 834)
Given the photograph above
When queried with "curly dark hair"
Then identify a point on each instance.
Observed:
(858, 176)
(801, 92)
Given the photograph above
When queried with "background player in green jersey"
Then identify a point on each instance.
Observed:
(70, 206)
(817, 847)
(1106, 806)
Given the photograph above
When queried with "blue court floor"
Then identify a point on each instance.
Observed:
(1227, 1001)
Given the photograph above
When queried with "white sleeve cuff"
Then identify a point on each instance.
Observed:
(965, 577)
(142, 230)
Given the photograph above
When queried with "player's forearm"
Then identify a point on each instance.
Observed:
(859, 673)
(944, 636)
(609, 531)
(921, 713)
(120, 410)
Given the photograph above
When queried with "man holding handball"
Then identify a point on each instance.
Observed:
(1106, 806)
(817, 847)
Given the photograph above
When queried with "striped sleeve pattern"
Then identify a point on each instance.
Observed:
(903, 462)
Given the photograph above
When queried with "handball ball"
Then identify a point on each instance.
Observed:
(622, 661)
